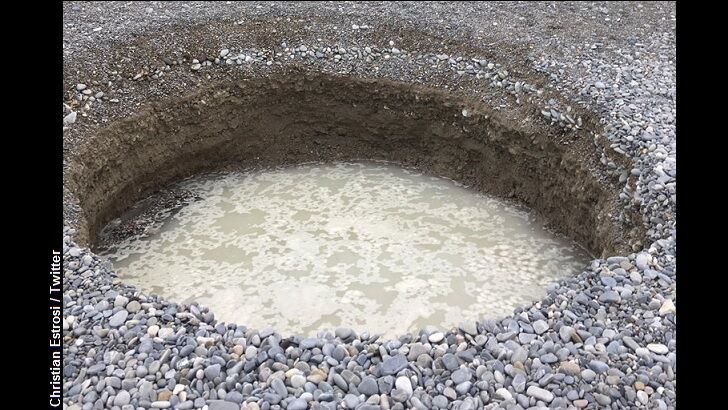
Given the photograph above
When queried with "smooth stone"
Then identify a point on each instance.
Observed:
(308, 343)
(385, 384)
(540, 394)
(469, 327)
(101, 332)
(571, 368)
(439, 402)
(609, 281)
(399, 396)
(351, 401)
(549, 358)
(565, 333)
(121, 301)
(165, 332)
(460, 376)
(222, 405)
(642, 352)
(503, 394)
(185, 351)
(667, 307)
(540, 326)
(279, 387)
(642, 261)
(581, 403)
(609, 333)
(463, 387)
(339, 381)
(609, 296)
(598, 366)
(368, 386)
(519, 383)
(212, 371)
(526, 338)
(658, 348)
(142, 371)
(519, 355)
(588, 375)
(635, 277)
(234, 396)
(122, 398)
(343, 333)
(133, 306)
(602, 399)
(450, 361)
(118, 319)
(642, 397)
(297, 404)
(629, 342)
(113, 381)
(416, 350)
(394, 364)
(403, 384)
(297, 381)
(436, 337)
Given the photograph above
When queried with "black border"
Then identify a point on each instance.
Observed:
(41, 130)
(42, 175)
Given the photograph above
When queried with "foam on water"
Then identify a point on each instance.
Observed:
(364, 245)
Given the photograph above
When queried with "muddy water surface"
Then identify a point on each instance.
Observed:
(364, 245)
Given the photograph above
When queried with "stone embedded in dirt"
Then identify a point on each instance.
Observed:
(70, 118)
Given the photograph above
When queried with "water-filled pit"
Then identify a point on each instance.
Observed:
(366, 245)
(292, 119)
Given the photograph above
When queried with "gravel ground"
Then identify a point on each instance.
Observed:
(603, 339)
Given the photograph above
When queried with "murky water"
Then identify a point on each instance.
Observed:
(364, 245)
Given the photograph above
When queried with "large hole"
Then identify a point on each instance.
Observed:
(287, 120)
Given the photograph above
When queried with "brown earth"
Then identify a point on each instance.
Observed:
(295, 116)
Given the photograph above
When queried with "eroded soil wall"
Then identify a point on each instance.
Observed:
(319, 117)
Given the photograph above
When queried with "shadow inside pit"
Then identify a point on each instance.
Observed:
(326, 118)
